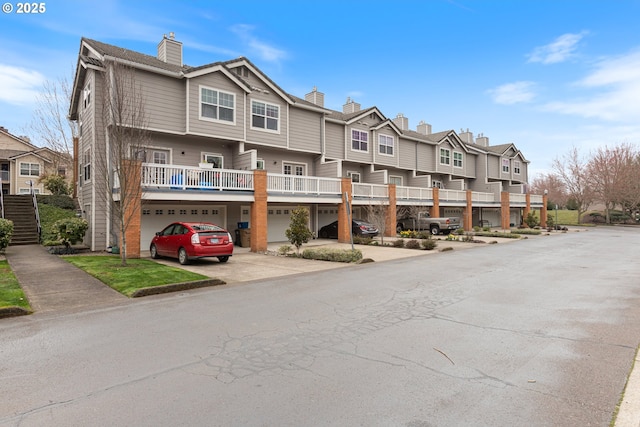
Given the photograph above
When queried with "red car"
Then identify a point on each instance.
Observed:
(191, 240)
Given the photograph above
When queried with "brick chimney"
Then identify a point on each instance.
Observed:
(424, 128)
(350, 107)
(401, 121)
(170, 50)
(315, 97)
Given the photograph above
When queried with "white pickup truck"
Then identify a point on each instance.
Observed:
(425, 222)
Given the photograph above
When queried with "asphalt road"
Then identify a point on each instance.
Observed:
(540, 332)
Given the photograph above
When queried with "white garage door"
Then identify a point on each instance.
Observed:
(326, 215)
(156, 217)
(278, 220)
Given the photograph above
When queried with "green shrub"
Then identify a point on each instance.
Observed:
(398, 243)
(476, 228)
(70, 230)
(429, 244)
(285, 249)
(413, 244)
(499, 234)
(459, 231)
(486, 229)
(60, 201)
(56, 184)
(49, 214)
(532, 220)
(526, 231)
(298, 232)
(336, 255)
(360, 240)
(6, 231)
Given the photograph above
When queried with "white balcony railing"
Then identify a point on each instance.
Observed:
(452, 195)
(413, 193)
(296, 184)
(536, 199)
(480, 197)
(517, 198)
(369, 190)
(194, 178)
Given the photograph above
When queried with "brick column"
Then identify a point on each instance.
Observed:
(468, 213)
(259, 226)
(132, 205)
(543, 211)
(435, 212)
(527, 209)
(505, 212)
(390, 226)
(343, 214)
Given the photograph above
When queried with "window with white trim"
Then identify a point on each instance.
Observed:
(216, 105)
(213, 158)
(265, 116)
(27, 190)
(151, 155)
(260, 164)
(29, 169)
(293, 169)
(516, 167)
(505, 165)
(355, 176)
(359, 140)
(395, 179)
(445, 156)
(385, 144)
(86, 165)
(457, 159)
(86, 95)
(437, 184)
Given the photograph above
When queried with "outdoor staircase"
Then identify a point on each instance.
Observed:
(20, 210)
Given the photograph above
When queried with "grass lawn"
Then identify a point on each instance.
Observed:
(138, 274)
(11, 294)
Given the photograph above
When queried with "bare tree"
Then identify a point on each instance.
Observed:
(119, 164)
(554, 186)
(377, 215)
(571, 169)
(412, 211)
(610, 170)
(631, 192)
(51, 124)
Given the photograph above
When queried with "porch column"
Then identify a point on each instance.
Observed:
(345, 212)
(543, 211)
(527, 209)
(435, 213)
(505, 211)
(468, 213)
(132, 208)
(259, 226)
(390, 226)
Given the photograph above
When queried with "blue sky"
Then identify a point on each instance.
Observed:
(543, 74)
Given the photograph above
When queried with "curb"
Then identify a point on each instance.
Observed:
(175, 287)
(13, 311)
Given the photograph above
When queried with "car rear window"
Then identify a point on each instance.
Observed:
(206, 227)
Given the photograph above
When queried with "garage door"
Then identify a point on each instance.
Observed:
(326, 215)
(156, 217)
(279, 219)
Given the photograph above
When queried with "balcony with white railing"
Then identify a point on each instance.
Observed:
(536, 200)
(370, 191)
(517, 198)
(171, 177)
(452, 195)
(413, 193)
(303, 185)
(480, 197)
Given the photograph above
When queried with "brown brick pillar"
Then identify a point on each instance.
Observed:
(435, 211)
(527, 209)
(390, 226)
(259, 226)
(344, 212)
(468, 213)
(505, 212)
(131, 202)
(543, 211)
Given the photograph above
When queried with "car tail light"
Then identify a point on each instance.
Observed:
(230, 238)
(364, 228)
(448, 221)
(195, 239)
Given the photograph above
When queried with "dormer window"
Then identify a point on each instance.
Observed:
(359, 140)
(265, 116)
(445, 156)
(385, 144)
(505, 165)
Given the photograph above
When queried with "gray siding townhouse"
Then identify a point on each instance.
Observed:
(228, 145)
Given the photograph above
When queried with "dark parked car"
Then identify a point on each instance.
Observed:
(358, 227)
(190, 240)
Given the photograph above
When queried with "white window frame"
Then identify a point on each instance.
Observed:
(86, 165)
(355, 176)
(265, 116)
(458, 161)
(31, 169)
(445, 154)
(294, 168)
(360, 141)
(397, 178)
(516, 167)
(386, 145)
(27, 190)
(260, 164)
(148, 154)
(206, 157)
(436, 183)
(217, 105)
(505, 165)
(86, 95)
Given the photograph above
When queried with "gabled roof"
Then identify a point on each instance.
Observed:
(106, 50)
(502, 149)
(29, 145)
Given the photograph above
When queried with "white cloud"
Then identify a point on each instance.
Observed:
(19, 86)
(262, 49)
(614, 88)
(560, 50)
(513, 93)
